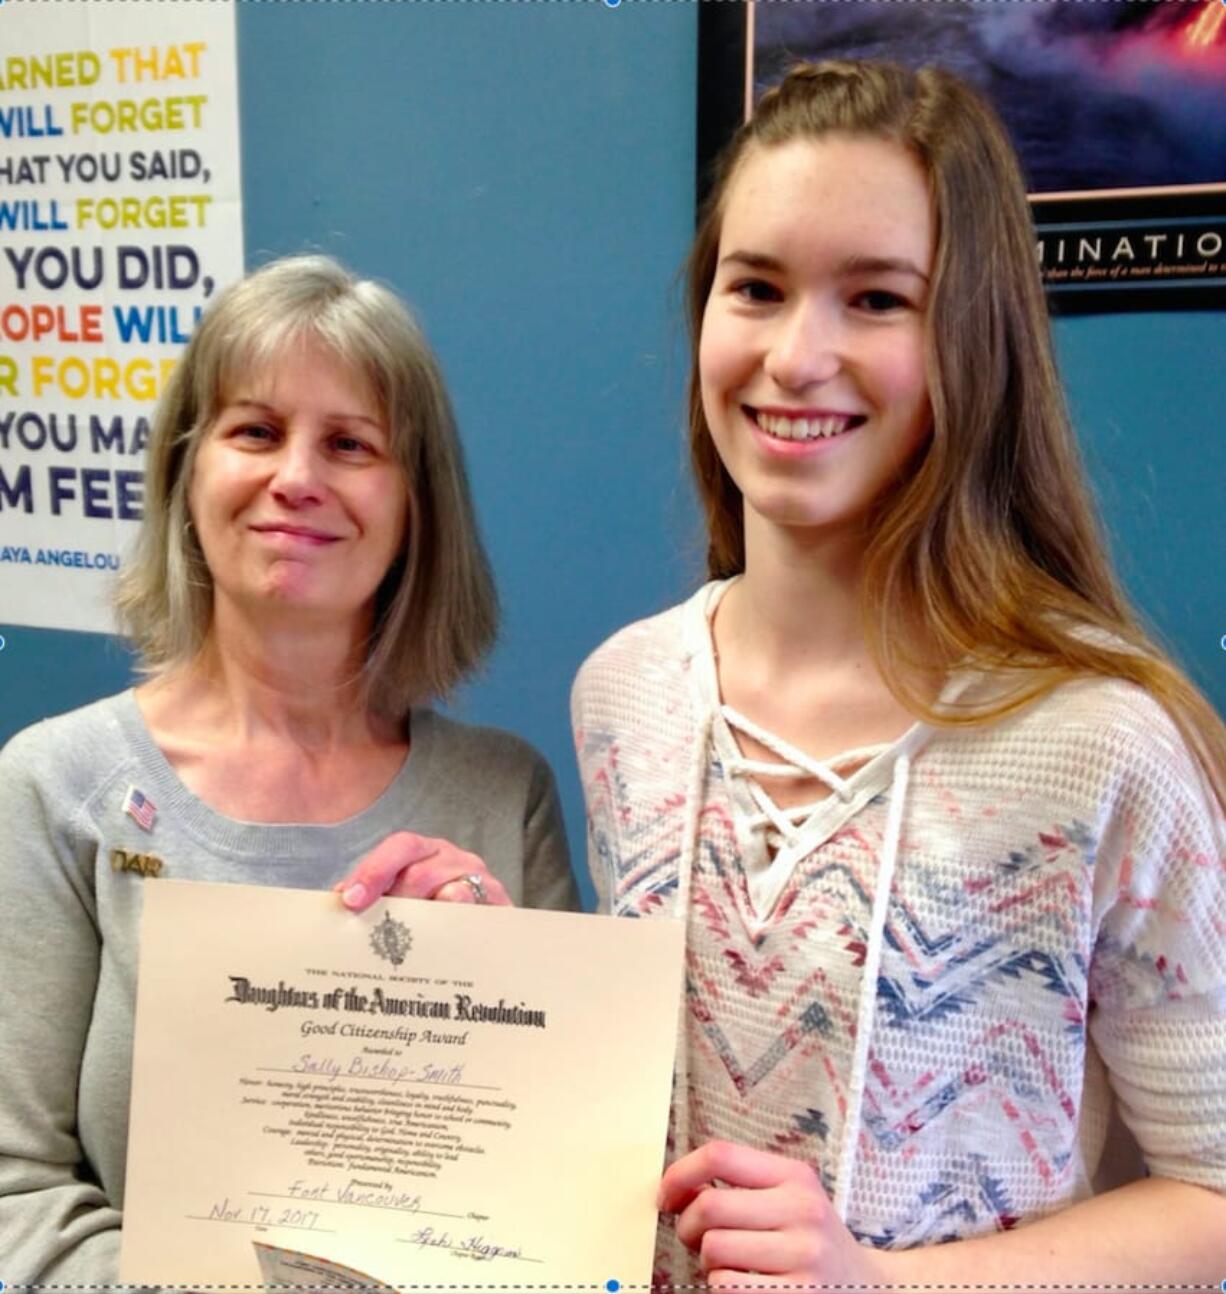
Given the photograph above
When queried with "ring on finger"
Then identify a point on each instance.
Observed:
(477, 885)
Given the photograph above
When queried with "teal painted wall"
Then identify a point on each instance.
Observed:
(522, 173)
(1148, 397)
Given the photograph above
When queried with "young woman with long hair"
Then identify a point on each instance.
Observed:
(944, 824)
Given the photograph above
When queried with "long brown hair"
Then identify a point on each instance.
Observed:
(992, 543)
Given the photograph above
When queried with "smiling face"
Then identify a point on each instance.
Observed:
(811, 356)
(295, 495)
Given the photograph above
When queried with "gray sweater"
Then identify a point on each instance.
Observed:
(73, 865)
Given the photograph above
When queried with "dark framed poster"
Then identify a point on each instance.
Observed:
(1118, 113)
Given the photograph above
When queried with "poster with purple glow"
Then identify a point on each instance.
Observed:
(1118, 113)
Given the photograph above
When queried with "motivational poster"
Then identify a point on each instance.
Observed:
(120, 217)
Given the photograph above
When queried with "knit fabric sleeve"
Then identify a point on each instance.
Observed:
(548, 879)
(56, 1225)
(634, 743)
(598, 864)
(1158, 973)
(617, 721)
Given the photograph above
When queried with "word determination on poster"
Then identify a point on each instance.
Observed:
(120, 217)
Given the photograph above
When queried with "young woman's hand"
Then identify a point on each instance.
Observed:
(760, 1219)
(420, 867)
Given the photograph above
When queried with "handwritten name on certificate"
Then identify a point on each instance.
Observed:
(433, 1093)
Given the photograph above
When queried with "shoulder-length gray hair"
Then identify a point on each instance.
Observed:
(436, 611)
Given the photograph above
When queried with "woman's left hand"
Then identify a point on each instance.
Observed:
(748, 1212)
(420, 867)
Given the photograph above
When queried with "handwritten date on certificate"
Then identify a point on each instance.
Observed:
(261, 1215)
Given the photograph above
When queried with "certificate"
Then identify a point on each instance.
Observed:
(431, 1093)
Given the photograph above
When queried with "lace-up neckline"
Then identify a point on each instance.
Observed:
(773, 838)
(784, 823)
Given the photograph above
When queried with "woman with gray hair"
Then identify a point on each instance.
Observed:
(307, 579)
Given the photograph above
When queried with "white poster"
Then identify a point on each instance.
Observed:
(120, 216)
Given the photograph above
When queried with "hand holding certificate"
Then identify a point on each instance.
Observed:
(432, 1093)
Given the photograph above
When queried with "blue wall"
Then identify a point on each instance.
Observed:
(1148, 397)
(522, 173)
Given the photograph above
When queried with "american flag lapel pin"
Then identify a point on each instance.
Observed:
(140, 808)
